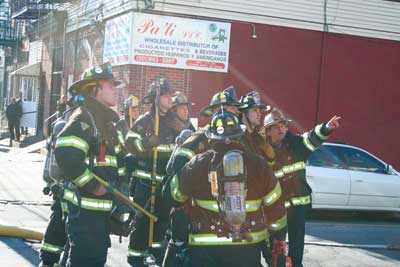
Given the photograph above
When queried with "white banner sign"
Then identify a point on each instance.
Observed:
(169, 42)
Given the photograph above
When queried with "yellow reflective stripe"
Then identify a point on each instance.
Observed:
(297, 201)
(64, 207)
(83, 178)
(51, 248)
(137, 253)
(287, 204)
(212, 205)
(187, 153)
(133, 135)
(278, 224)
(213, 239)
(176, 194)
(118, 148)
(165, 148)
(156, 245)
(88, 203)
(96, 204)
(121, 138)
(72, 141)
(273, 196)
(145, 175)
(307, 142)
(300, 165)
(319, 132)
(122, 171)
(138, 145)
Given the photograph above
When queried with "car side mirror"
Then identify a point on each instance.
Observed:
(390, 169)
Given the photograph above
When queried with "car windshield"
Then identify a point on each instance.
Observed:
(358, 160)
(325, 156)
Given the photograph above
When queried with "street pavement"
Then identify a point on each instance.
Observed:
(333, 238)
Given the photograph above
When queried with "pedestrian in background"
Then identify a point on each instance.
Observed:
(14, 113)
(62, 105)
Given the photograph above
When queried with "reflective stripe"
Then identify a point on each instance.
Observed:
(51, 248)
(287, 204)
(121, 138)
(273, 196)
(307, 142)
(138, 144)
(187, 153)
(278, 224)
(297, 201)
(72, 141)
(157, 245)
(212, 205)
(137, 253)
(213, 239)
(300, 165)
(110, 161)
(88, 203)
(83, 178)
(118, 148)
(165, 148)
(146, 175)
(176, 194)
(122, 171)
(319, 132)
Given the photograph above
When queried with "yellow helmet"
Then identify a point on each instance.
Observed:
(131, 102)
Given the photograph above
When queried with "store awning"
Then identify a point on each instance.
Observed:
(28, 70)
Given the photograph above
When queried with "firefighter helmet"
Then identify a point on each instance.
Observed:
(160, 85)
(180, 99)
(226, 97)
(131, 102)
(252, 100)
(274, 117)
(225, 125)
(90, 78)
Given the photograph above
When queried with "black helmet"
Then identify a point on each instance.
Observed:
(160, 84)
(252, 100)
(180, 99)
(91, 76)
(131, 102)
(225, 125)
(226, 97)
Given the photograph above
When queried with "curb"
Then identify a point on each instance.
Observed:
(363, 246)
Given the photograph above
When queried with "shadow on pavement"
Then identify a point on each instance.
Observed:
(20, 247)
(379, 229)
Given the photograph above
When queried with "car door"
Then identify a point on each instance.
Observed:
(329, 181)
(371, 186)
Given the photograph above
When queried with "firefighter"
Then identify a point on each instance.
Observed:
(197, 143)
(131, 110)
(179, 111)
(291, 153)
(232, 199)
(251, 112)
(84, 148)
(140, 141)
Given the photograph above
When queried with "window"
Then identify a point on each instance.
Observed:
(358, 160)
(325, 156)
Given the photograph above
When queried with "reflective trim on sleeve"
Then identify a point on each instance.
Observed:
(273, 196)
(122, 171)
(307, 142)
(118, 148)
(165, 148)
(300, 165)
(157, 245)
(51, 248)
(298, 201)
(133, 135)
(319, 132)
(176, 194)
(146, 175)
(137, 253)
(212, 205)
(121, 138)
(137, 140)
(213, 239)
(110, 161)
(84, 178)
(72, 141)
(278, 224)
(138, 145)
(185, 152)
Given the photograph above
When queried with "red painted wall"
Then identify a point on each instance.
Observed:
(312, 76)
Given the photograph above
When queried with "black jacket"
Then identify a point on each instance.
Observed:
(290, 163)
(14, 112)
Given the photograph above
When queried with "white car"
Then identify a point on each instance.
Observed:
(347, 177)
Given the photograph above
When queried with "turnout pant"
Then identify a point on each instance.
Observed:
(55, 237)
(138, 239)
(296, 216)
(226, 256)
